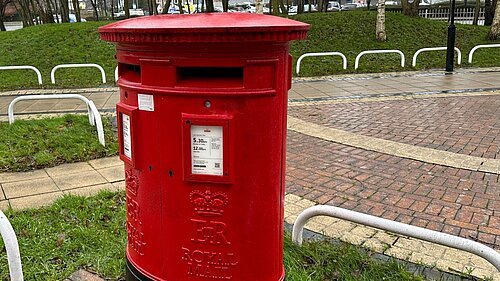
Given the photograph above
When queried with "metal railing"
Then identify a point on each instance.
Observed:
(12, 249)
(444, 239)
(471, 53)
(18, 67)
(464, 15)
(53, 71)
(344, 59)
(356, 62)
(94, 115)
(414, 60)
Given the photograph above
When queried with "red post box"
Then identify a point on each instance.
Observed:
(202, 130)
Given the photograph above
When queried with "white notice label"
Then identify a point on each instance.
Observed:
(206, 150)
(146, 102)
(127, 146)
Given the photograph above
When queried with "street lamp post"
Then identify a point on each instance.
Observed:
(450, 51)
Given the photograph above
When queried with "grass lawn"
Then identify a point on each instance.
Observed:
(354, 31)
(46, 46)
(78, 232)
(33, 144)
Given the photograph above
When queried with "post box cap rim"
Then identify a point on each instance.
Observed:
(208, 27)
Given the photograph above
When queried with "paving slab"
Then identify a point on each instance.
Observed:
(35, 201)
(90, 190)
(75, 180)
(113, 174)
(22, 176)
(29, 187)
(106, 162)
(67, 169)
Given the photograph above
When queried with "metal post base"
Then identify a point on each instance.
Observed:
(132, 274)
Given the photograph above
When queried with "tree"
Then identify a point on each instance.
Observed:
(3, 7)
(410, 9)
(126, 7)
(489, 11)
(380, 26)
(76, 8)
(494, 33)
(476, 12)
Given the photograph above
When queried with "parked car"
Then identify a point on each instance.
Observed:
(333, 6)
(347, 7)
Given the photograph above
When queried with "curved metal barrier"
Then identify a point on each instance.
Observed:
(471, 53)
(94, 115)
(414, 60)
(396, 227)
(53, 71)
(356, 63)
(12, 249)
(17, 67)
(344, 59)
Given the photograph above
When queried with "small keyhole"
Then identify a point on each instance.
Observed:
(150, 168)
(171, 173)
(126, 94)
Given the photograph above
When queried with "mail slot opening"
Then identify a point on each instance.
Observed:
(130, 72)
(210, 77)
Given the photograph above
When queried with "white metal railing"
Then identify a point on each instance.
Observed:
(414, 60)
(17, 67)
(471, 53)
(463, 15)
(53, 71)
(12, 249)
(356, 62)
(452, 241)
(94, 115)
(344, 59)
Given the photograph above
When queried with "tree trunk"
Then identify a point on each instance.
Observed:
(105, 8)
(166, 7)
(259, 7)
(283, 8)
(126, 8)
(494, 33)
(275, 7)
(76, 8)
(94, 6)
(210, 6)
(476, 12)
(368, 2)
(3, 6)
(64, 10)
(112, 9)
(181, 10)
(410, 9)
(488, 12)
(380, 26)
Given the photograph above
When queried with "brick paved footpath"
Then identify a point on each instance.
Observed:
(426, 156)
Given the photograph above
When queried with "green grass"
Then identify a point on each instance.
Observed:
(73, 233)
(78, 232)
(45, 46)
(354, 31)
(33, 144)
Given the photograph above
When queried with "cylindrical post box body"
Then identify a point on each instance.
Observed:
(202, 128)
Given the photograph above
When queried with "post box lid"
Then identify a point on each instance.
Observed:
(205, 27)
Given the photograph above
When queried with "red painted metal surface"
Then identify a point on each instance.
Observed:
(202, 129)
